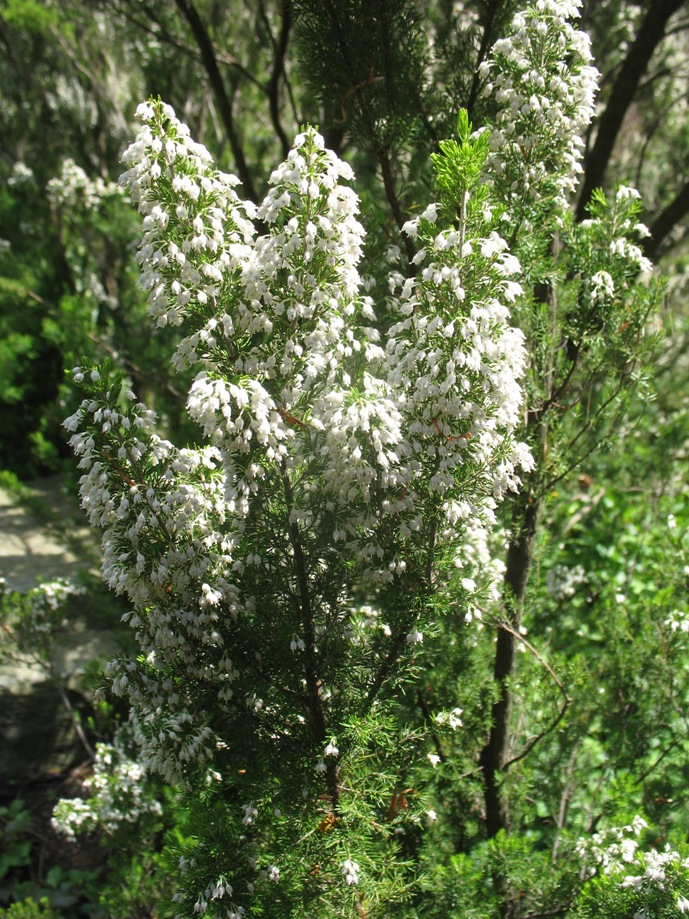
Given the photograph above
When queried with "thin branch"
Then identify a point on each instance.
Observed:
(539, 658)
(162, 35)
(385, 668)
(491, 13)
(224, 58)
(384, 157)
(552, 912)
(96, 84)
(393, 200)
(389, 76)
(381, 150)
(675, 743)
(494, 753)
(224, 101)
(313, 685)
(567, 700)
(567, 792)
(273, 85)
(666, 221)
(432, 535)
(427, 715)
(75, 721)
(159, 34)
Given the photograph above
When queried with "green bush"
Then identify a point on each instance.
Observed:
(29, 909)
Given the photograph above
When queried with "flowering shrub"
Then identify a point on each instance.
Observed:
(536, 143)
(118, 795)
(626, 881)
(339, 464)
(33, 620)
(289, 576)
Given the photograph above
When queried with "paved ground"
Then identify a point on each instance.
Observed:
(30, 547)
(56, 542)
(37, 736)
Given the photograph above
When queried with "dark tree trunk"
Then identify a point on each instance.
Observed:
(650, 34)
(495, 753)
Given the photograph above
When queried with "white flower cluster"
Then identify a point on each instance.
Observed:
(45, 612)
(187, 259)
(74, 187)
(542, 80)
(350, 871)
(373, 449)
(678, 620)
(613, 259)
(655, 865)
(163, 548)
(456, 368)
(451, 719)
(118, 795)
(465, 16)
(612, 849)
(562, 582)
(441, 409)
(208, 902)
(628, 205)
(53, 594)
(215, 899)
(21, 174)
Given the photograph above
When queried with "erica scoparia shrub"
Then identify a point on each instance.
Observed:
(290, 577)
(283, 574)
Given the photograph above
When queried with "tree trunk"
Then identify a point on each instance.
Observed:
(496, 751)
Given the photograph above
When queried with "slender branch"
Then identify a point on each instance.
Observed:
(33, 656)
(96, 84)
(666, 221)
(491, 13)
(273, 85)
(224, 101)
(381, 150)
(159, 33)
(541, 660)
(427, 715)
(75, 721)
(590, 422)
(567, 701)
(224, 58)
(551, 912)
(494, 754)
(393, 200)
(162, 35)
(389, 76)
(432, 535)
(313, 686)
(384, 157)
(675, 743)
(567, 792)
(385, 668)
(314, 706)
(399, 639)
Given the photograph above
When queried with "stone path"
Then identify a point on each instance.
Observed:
(31, 548)
(57, 543)
(37, 737)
